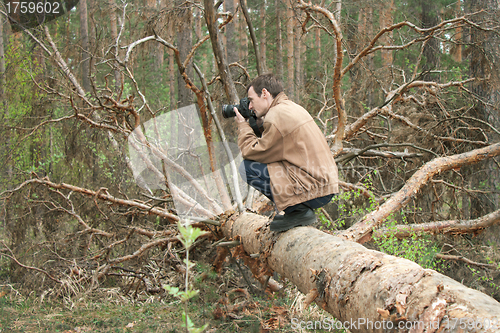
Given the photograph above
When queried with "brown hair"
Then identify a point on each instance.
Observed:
(268, 81)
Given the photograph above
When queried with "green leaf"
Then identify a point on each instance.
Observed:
(189, 234)
(174, 291)
(190, 324)
(187, 295)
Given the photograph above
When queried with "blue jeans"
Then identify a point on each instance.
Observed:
(257, 176)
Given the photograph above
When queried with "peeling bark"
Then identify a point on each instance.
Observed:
(355, 284)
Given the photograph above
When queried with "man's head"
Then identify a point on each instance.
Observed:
(262, 91)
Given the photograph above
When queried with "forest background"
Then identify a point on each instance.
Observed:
(393, 85)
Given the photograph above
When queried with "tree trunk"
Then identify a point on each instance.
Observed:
(386, 21)
(4, 104)
(243, 40)
(484, 59)
(431, 48)
(298, 60)
(171, 69)
(365, 30)
(2, 63)
(84, 37)
(153, 7)
(263, 37)
(279, 42)
(220, 58)
(290, 37)
(317, 44)
(456, 51)
(184, 44)
(231, 46)
(364, 289)
(114, 37)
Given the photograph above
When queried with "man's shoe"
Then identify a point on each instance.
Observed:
(301, 216)
(278, 217)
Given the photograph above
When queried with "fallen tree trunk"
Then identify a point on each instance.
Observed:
(366, 290)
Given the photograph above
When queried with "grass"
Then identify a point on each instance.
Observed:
(93, 317)
(111, 312)
(227, 303)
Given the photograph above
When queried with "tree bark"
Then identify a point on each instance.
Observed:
(84, 36)
(289, 51)
(299, 51)
(357, 285)
(279, 42)
(231, 46)
(432, 47)
(114, 37)
(386, 20)
(184, 44)
(263, 37)
(484, 60)
(2, 62)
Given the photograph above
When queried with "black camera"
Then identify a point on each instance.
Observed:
(243, 109)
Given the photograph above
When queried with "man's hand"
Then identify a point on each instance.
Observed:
(239, 117)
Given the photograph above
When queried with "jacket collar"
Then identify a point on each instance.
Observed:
(278, 99)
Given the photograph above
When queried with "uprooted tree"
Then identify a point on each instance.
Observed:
(149, 169)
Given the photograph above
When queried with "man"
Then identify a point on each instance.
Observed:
(291, 163)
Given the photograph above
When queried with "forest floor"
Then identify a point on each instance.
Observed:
(226, 303)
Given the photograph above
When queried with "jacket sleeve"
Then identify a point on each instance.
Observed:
(267, 149)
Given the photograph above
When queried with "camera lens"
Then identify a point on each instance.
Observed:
(227, 111)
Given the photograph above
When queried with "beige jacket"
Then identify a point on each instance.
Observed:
(300, 163)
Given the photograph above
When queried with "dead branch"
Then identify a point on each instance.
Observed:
(427, 34)
(441, 227)
(139, 138)
(469, 118)
(385, 154)
(204, 117)
(363, 190)
(467, 261)
(86, 227)
(461, 188)
(103, 195)
(337, 76)
(144, 247)
(393, 97)
(353, 153)
(220, 58)
(64, 67)
(13, 258)
(408, 123)
(244, 10)
(229, 153)
(362, 231)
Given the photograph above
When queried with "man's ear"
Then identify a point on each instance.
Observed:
(265, 92)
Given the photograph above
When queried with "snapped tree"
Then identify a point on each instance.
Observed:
(342, 276)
